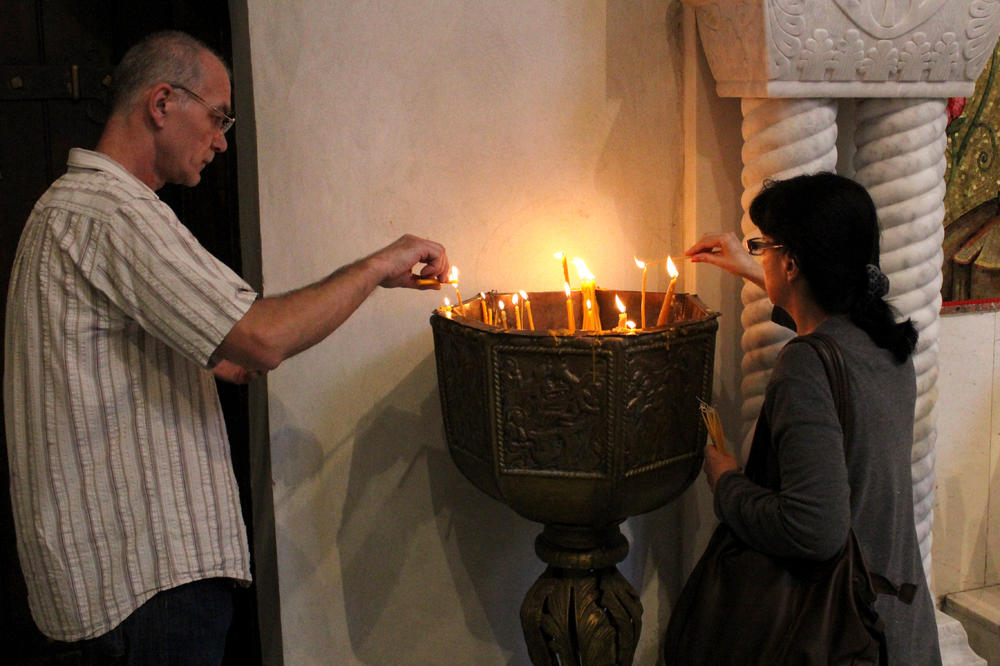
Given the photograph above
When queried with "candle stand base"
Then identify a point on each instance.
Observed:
(581, 610)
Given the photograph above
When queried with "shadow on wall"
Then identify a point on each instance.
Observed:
(665, 545)
(488, 549)
(478, 554)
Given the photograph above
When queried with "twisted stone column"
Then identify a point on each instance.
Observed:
(901, 160)
(782, 138)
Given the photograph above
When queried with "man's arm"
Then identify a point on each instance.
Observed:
(278, 327)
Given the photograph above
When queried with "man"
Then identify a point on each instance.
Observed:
(126, 509)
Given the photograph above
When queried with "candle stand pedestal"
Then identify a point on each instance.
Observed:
(581, 610)
(577, 432)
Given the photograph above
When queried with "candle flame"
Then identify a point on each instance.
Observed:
(588, 303)
(581, 268)
(566, 287)
(524, 296)
(453, 275)
(513, 299)
(482, 296)
(640, 264)
(501, 305)
(558, 255)
(630, 325)
(619, 304)
(671, 269)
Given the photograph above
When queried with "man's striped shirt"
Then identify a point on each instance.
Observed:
(121, 479)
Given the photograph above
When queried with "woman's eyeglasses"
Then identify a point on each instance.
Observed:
(757, 245)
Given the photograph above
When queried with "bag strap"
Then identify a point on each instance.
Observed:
(836, 372)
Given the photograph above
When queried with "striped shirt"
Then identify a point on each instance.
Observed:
(120, 475)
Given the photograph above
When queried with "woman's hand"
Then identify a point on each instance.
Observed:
(727, 252)
(716, 464)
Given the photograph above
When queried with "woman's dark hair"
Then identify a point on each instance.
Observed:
(829, 225)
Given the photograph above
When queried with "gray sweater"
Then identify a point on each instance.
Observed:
(823, 491)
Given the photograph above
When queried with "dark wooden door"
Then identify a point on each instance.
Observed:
(56, 58)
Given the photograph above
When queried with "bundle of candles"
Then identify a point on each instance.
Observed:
(713, 424)
(515, 313)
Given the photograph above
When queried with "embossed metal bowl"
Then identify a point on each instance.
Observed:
(576, 429)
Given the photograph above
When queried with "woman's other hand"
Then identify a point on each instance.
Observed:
(716, 464)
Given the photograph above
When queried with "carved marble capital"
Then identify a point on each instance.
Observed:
(847, 48)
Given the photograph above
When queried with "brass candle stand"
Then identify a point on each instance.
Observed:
(577, 432)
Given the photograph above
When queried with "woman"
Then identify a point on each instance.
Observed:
(819, 249)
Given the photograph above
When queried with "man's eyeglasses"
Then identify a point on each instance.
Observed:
(223, 120)
(757, 245)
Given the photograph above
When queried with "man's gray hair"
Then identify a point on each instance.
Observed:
(168, 56)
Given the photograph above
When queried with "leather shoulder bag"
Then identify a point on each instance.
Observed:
(743, 607)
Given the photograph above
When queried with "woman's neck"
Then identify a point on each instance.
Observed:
(804, 309)
(807, 316)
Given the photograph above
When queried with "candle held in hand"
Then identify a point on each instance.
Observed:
(425, 282)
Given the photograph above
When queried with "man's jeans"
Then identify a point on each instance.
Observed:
(185, 625)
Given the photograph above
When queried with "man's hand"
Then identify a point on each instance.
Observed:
(398, 259)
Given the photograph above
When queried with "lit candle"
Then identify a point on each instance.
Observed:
(453, 280)
(482, 306)
(630, 325)
(592, 318)
(570, 319)
(560, 255)
(517, 311)
(503, 316)
(527, 311)
(642, 306)
(447, 308)
(622, 318)
(668, 299)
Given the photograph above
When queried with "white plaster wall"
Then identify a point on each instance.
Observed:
(967, 501)
(508, 131)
